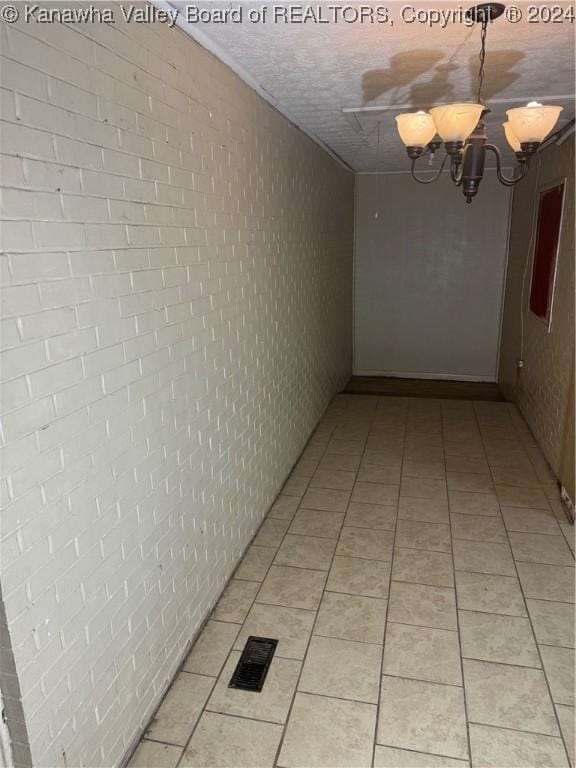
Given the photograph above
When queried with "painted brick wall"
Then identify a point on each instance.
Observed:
(14, 742)
(176, 315)
(542, 389)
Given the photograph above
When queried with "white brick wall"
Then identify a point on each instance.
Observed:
(176, 265)
(542, 388)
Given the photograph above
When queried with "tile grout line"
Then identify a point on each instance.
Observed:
(293, 699)
(324, 591)
(338, 424)
(426, 754)
(464, 699)
(157, 741)
(558, 737)
(412, 549)
(423, 680)
(556, 719)
(381, 676)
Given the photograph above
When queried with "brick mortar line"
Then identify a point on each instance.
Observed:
(253, 602)
(129, 754)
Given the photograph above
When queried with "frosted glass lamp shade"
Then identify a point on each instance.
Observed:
(416, 129)
(455, 122)
(533, 122)
(511, 137)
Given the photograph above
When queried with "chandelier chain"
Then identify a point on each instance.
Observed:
(482, 57)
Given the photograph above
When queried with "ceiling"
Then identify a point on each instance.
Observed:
(314, 71)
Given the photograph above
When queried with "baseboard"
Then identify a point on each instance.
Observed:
(419, 375)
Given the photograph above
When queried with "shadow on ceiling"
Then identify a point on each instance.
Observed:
(407, 67)
(404, 68)
(499, 72)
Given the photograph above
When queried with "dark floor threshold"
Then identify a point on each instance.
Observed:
(388, 386)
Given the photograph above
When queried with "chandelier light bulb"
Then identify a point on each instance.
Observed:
(511, 137)
(533, 122)
(416, 129)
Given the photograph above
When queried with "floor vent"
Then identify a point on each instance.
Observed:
(251, 670)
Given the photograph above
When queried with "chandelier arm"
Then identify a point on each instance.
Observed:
(502, 178)
(458, 176)
(426, 151)
(434, 178)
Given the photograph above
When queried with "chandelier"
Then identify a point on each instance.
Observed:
(461, 127)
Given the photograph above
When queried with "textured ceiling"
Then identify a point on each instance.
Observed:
(314, 71)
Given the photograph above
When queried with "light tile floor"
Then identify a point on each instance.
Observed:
(418, 572)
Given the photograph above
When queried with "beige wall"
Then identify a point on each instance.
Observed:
(429, 277)
(544, 387)
(177, 308)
